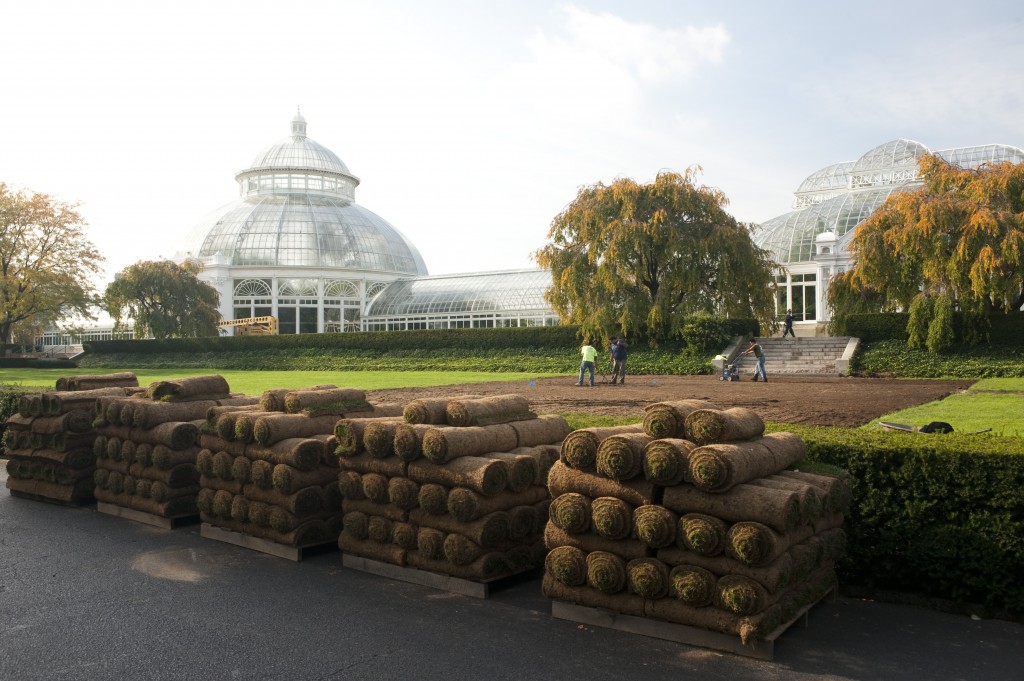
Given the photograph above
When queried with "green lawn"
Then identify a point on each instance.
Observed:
(1002, 410)
(255, 382)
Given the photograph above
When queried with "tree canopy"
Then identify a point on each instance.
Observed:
(639, 258)
(165, 300)
(957, 241)
(47, 265)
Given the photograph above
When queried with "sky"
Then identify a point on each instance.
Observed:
(472, 124)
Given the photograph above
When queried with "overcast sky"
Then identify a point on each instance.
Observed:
(471, 124)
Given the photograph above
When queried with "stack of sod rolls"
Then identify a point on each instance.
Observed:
(456, 486)
(267, 468)
(694, 517)
(147, 444)
(49, 442)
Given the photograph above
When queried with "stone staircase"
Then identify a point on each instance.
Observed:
(817, 356)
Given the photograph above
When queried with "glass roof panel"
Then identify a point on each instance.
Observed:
(480, 292)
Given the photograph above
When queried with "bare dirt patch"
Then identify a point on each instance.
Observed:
(816, 401)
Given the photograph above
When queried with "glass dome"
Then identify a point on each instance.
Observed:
(480, 292)
(298, 209)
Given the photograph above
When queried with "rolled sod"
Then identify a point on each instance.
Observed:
(114, 408)
(705, 617)
(379, 436)
(442, 444)
(433, 499)
(219, 444)
(836, 487)
(579, 448)
(718, 467)
(146, 414)
(571, 512)
(302, 453)
(284, 521)
(742, 596)
(647, 578)
(485, 411)
(408, 442)
(522, 469)
(466, 505)
(461, 550)
(232, 486)
(627, 548)
(757, 545)
(655, 525)
(349, 433)
(241, 469)
(92, 381)
(245, 424)
(378, 529)
(622, 602)
(288, 479)
(81, 457)
(261, 474)
(60, 402)
(543, 430)
(144, 488)
(303, 503)
(544, 457)
(404, 535)
(259, 513)
(774, 576)
(430, 542)
(692, 584)
(165, 458)
(214, 413)
(144, 454)
(192, 387)
(370, 508)
(810, 498)
(350, 483)
(325, 401)
(160, 492)
(621, 457)
(221, 506)
(375, 488)
(606, 572)
(391, 466)
(562, 479)
(522, 522)
(366, 548)
(430, 410)
(667, 419)
(81, 491)
(222, 464)
(227, 422)
(611, 518)
(177, 507)
(356, 525)
(182, 475)
(828, 522)
(328, 456)
(332, 497)
(173, 434)
(485, 476)
(204, 500)
(273, 400)
(403, 493)
(71, 422)
(707, 426)
(240, 508)
(702, 533)
(666, 462)
(779, 509)
(487, 567)
(567, 564)
(274, 428)
(490, 531)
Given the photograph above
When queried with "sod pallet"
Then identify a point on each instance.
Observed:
(151, 519)
(412, 575)
(267, 546)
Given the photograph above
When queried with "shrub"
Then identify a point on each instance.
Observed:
(704, 333)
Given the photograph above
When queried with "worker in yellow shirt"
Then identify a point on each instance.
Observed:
(589, 353)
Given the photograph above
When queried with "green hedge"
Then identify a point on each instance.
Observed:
(939, 516)
(893, 358)
(1004, 329)
(10, 395)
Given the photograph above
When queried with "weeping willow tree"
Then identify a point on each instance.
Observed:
(957, 242)
(164, 299)
(639, 258)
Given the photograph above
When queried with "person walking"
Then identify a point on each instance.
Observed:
(619, 350)
(589, 353)
(788, 328)
(758, 352)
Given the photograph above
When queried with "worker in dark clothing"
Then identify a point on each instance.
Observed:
(619, 351)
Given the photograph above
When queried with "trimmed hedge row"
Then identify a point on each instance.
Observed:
(1004, 328)
(939, 516)
(893, 358)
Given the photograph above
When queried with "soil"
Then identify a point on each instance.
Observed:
(808, 400)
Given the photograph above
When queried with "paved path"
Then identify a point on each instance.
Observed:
(88, 596)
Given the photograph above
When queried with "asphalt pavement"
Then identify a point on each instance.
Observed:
(84, 595)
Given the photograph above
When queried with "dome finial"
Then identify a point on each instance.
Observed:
(298, 125)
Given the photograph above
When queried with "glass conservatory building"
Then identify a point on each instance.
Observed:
(297, 246)
(812, 241)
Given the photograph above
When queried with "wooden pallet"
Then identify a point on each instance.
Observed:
(464, 587)
(146, 518)
(75, 503)
(293, 553)
(761, 649)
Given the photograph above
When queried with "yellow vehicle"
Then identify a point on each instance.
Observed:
(252, 326)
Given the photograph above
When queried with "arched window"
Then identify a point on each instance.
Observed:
(250, 288)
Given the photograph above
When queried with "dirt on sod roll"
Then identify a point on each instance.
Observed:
(606, 572)
(466, 505)
(718, 467)
(666, 462)
(489, 531)
(442, 444)
(430, 410)
(702, 534)
(379, 436)
(522, 469)
(213, 386)
(408, 442)
(692, 584)
(373, 509)
(708, 426)
(289, 480)
(433, 499)
(486, 476)
(668, 419)
(571, 512)
(487, 567)
(779, 509)
(484, 411)
(647, 577)
(621, 457)
(562, 479)
(627, 548)
(302, 453)
(367, 463)
(774, 576)
(757, 545)
(542, 430)
(270, 429)
(124, 379)
(611, 518)
(655, 525)
(305, 502)
(622, 602)
(579, 448)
